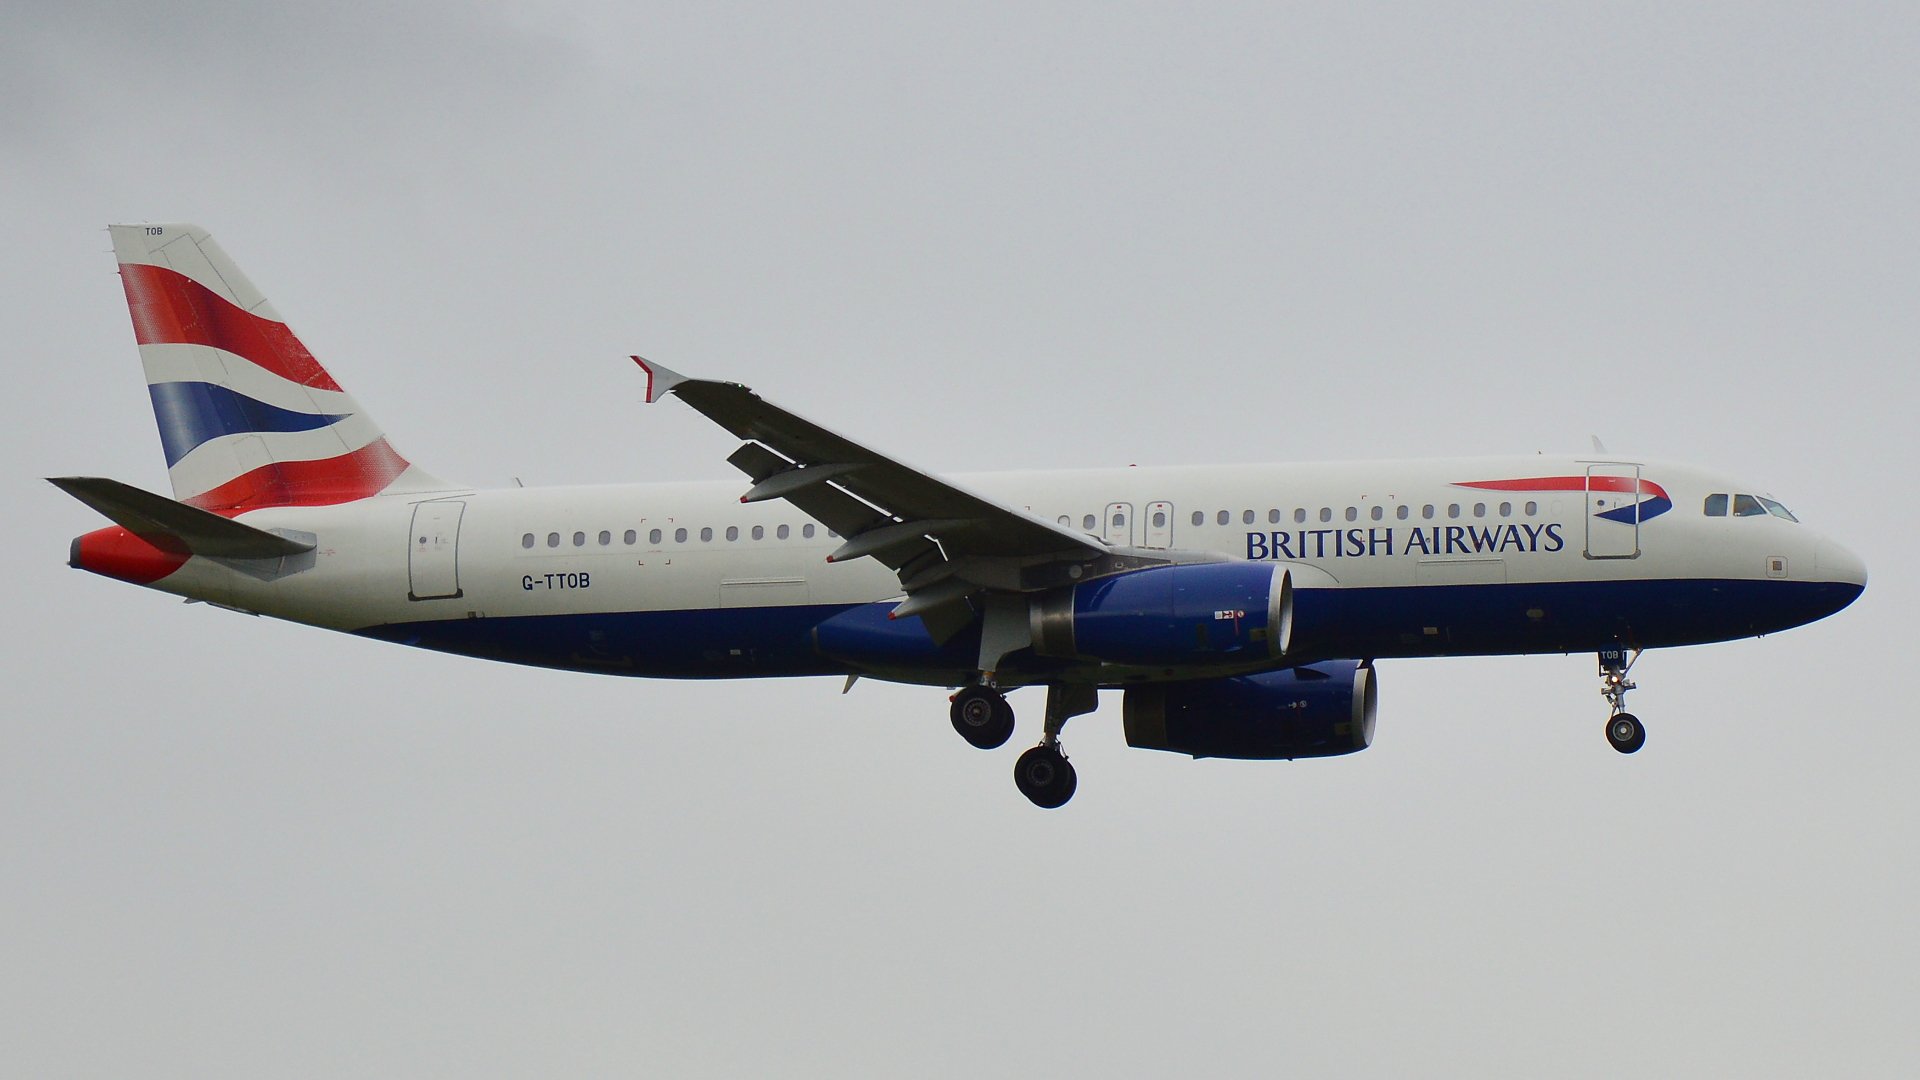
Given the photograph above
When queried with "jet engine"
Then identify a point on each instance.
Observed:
(1181, 615)
(1319, 710)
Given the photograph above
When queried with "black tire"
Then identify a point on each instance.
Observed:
(1045, 776)
(1626, 733)
(982, 717)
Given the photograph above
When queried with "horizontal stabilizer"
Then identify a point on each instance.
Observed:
(202, 532)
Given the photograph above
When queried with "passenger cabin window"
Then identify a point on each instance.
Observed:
(1065, 520)
(1353, 514)
(579, 539)
(706, 536)
(1300, 516)
(679, 536)
(759, 533)
(1532, 508)
(1199, 517)
(1453, 510)
(1427, 511)
(553, 539)
(526, 541)
(1747, 506)
(733, 533)
(1246, 517)
(1402, 511)
(1379, 512)
(605, 537)
(1224, 516)
(632, 536)
(1326, 513)
(1479, 509)
(781, 532)
(1716, 506)
(1159, 519)
(653, 537)
(1089, 523)
(806, 531)
(1506, 509)
(1273, 517)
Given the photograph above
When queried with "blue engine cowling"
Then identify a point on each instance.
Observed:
(1320, 710)
(1175, 616)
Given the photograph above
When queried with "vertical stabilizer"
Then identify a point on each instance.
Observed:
(248, 418)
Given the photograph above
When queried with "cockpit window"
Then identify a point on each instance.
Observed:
(1716, 506)
(1777, 510)
(1747, 506)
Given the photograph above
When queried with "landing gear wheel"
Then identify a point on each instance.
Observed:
(1626, 733)
(1044, 776)
(982, 717)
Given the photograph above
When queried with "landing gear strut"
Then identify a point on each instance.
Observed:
(1625, 732)
(982, 716)
(1043, 774)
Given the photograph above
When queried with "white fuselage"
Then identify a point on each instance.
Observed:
(519, 554)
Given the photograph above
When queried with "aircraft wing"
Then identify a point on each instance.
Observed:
(902, 503)
(883, 508)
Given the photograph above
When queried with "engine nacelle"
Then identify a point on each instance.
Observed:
(1174, 616)
(1316, 711)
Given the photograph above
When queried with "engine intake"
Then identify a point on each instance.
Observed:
(1321, 710)
(1198, 613)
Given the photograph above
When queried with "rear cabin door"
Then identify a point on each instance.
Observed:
(1117, 526)
(1159, 525)
(1613, 511)
(433, 571)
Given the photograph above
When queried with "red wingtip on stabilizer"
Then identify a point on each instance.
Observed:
(116, 553)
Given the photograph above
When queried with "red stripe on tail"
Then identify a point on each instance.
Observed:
(362, 474)
(170, 308)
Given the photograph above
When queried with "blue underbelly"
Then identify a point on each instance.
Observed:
(1426, 620)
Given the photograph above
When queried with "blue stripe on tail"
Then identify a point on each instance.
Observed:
(191, 413)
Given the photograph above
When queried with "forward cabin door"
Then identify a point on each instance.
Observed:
(1613, 512)
(433, 571)
(1159, 525)
(1117, 526)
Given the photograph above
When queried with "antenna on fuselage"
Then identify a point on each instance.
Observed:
(1598, 446)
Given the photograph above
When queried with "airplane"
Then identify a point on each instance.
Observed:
(1239, 609)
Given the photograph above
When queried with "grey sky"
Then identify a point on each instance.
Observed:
(980, 237)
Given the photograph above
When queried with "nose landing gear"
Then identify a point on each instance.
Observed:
(1625, 732)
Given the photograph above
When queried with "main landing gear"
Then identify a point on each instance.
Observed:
(1043, 774)
(982, 717)
(1625, 732)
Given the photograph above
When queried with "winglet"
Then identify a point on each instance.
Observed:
(660, 379)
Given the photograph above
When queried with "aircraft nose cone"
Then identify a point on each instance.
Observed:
(1836, 563)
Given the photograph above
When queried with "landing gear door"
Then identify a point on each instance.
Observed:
(1159, 525)
(1117, 526)
(433, 570)
(1613, 512)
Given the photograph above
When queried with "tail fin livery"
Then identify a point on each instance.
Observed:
(248, 418)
